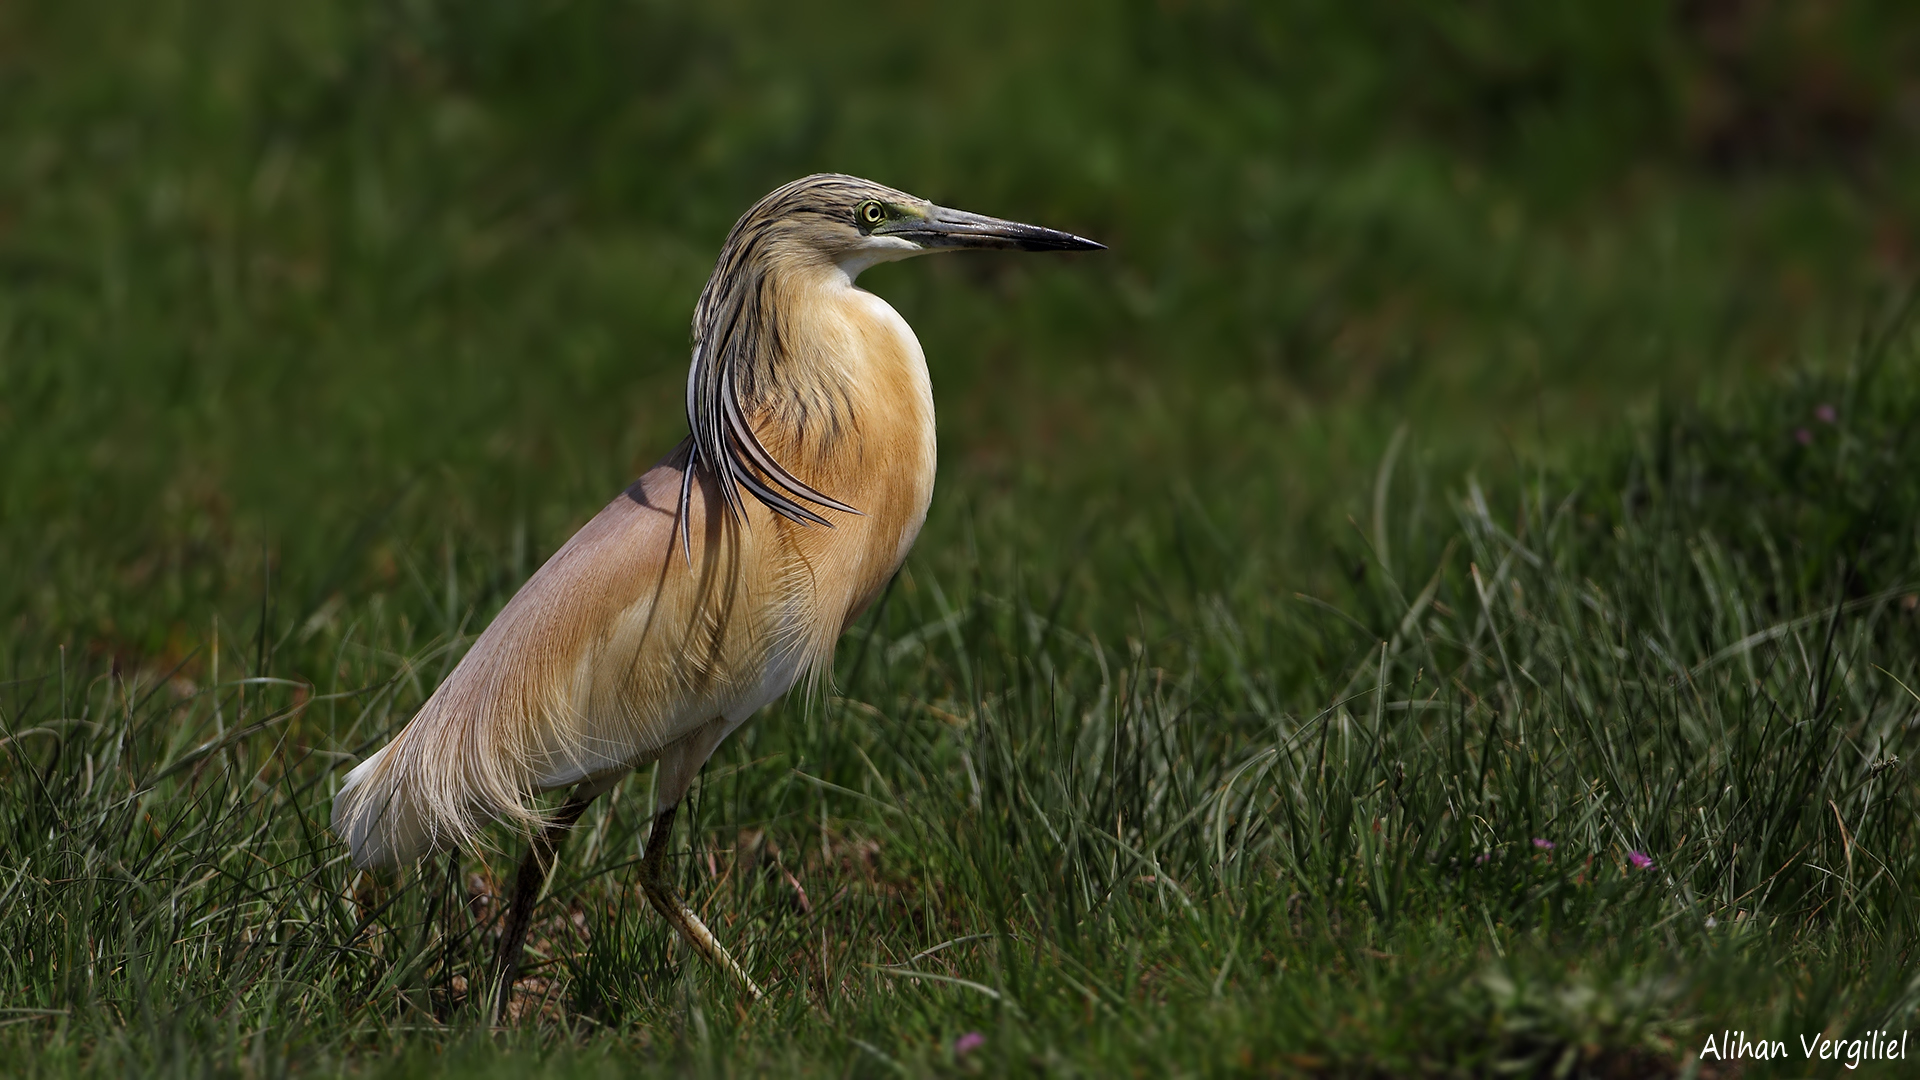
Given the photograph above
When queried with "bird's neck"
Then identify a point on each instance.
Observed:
(854, 420)
(848, 378)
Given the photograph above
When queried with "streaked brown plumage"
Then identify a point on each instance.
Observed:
(685, 605)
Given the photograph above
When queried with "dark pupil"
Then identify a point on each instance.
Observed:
(873, 212)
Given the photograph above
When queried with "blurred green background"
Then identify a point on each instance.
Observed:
(322, 323)
(359, 287)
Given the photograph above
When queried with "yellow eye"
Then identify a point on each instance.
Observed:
(870, 212)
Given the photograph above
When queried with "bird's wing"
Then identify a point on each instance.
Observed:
(614, 649)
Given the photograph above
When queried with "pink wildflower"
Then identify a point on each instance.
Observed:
(1544, 845)
(968, 1043)
(1803, 436)
(1825, 414)
(1639, 860)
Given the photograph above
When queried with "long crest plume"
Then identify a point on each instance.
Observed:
(738, 340)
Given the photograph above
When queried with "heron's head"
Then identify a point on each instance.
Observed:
(857, 223)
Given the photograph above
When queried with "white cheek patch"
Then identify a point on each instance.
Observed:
(878, 249)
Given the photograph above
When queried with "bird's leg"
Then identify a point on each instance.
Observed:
(666, 900)
(528, 884)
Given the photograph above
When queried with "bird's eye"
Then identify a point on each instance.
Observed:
(870, 213)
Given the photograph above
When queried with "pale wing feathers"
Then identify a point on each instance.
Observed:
(581, 673)
(464, 760)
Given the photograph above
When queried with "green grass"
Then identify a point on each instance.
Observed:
(1245, 832)
(1489, 425)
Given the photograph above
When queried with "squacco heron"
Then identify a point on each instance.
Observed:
(719, 579)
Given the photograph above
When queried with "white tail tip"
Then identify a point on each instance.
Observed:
(376, 816)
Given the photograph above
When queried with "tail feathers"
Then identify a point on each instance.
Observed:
(381, 823)
(401, 804)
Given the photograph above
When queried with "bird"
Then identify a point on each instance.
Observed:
(713, 584)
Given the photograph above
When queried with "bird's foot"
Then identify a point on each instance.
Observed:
(666, 900)
(668, 903)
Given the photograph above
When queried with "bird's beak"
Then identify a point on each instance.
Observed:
(942, 228)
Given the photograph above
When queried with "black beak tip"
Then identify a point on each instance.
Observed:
(1065, 242)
